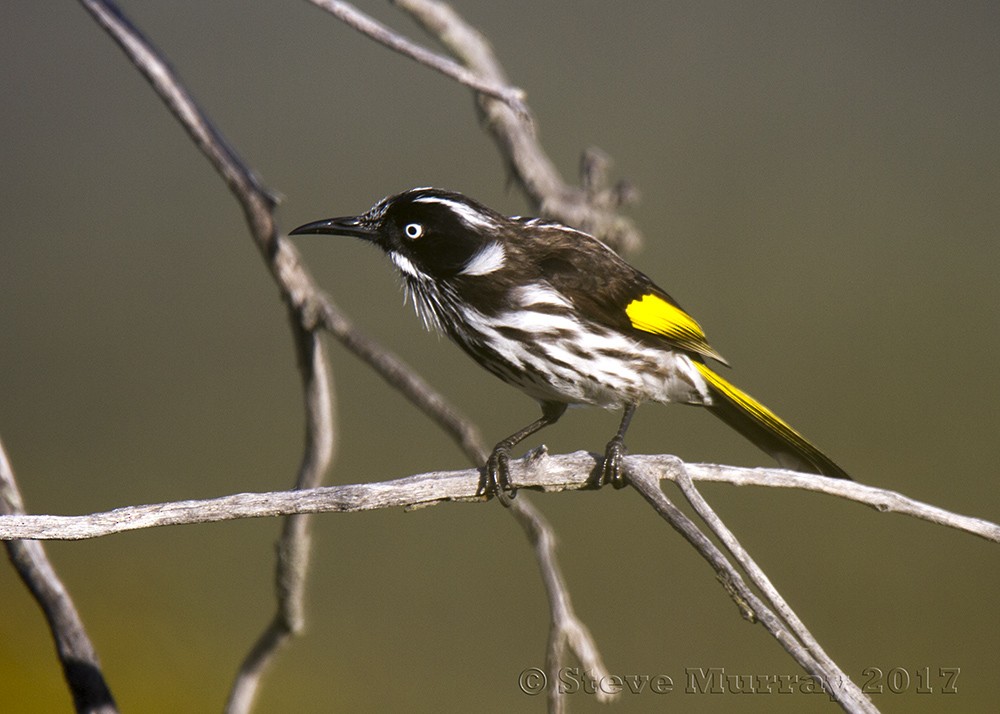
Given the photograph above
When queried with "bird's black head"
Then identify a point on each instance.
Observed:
(428, 233)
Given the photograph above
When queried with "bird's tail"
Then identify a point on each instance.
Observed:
(765, 428)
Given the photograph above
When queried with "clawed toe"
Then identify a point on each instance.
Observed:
(496, 480)
(612, 472)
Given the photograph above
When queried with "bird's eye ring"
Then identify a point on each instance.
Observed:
(413, 230)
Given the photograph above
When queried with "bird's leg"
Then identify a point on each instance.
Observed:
(615, 452)
(496, 479)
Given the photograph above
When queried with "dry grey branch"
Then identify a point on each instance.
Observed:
(350, 15)
(81, 666)
(566, 630)
(839, 683)
(830, 677)
(536, 470)
(294, 544)
(158, 72)
(880, 499)
(750, 567)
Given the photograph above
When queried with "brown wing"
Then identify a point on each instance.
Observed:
(611, 292)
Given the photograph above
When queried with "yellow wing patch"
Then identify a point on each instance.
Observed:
(651, 313)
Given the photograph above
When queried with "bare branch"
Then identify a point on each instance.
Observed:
(567, 630)
(294, 544)
(367, 25)
(81, 666)
(158, 72)
(845, 692)
(536, 470)
(843, 689)
(880, 499)
(757, 576)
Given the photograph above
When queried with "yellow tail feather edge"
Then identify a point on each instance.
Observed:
(796, 446)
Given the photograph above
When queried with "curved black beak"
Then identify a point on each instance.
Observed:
(346, 226)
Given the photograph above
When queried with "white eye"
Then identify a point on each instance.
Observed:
(413, 230)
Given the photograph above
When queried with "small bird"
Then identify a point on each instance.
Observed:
(556, 313)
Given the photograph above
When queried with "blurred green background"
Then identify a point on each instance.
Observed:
(821, 188)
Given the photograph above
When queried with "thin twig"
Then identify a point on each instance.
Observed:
(566, 629)
(294, 544)
(740, 554)
(365, 24)
(881, 499)
(150, 61)
(536, 470)
(838, 682)
(81, 666)
(753, 608)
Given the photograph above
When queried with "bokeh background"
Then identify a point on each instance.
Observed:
(821, 188)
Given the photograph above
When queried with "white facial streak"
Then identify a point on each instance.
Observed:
(467, 214)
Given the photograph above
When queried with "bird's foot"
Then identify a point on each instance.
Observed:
(496, 477)
(611, 472)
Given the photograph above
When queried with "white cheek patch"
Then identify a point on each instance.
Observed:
(487, 260)
(404, 265)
